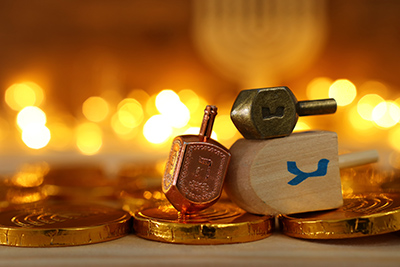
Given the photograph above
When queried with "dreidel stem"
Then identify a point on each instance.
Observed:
(208, 121)
(316, 107)
(358, 158)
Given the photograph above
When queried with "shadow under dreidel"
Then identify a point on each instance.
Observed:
(79, 182)
(222, 223)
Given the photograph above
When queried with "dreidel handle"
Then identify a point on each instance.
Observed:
(208, 121)
(316, 107)
(358, 158)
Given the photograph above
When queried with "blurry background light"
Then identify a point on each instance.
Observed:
(157, 130)
(35, 136)
(61, 136)
(367, 104)
(140, 95)
(196, 131)
(165, 100)
(89, 138)
(301, 126)
(20, 95)
(318, 88)
(130, 113)
(357, 121)
(224, 127)
(31, 116)
(95, 109)
(343, 91)
(386, 114)
(394, 138)
(190, 99)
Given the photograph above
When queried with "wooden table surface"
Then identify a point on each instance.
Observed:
(276, 250)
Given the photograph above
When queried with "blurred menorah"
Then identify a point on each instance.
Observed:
(259, 42)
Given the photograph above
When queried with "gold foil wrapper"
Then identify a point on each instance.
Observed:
(79, 182)
(61, 224)
(223, 223)
(24, 186)
(361, 215)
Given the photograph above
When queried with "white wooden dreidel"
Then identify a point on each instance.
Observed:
(297, 173)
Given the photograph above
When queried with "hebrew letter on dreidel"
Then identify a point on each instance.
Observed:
(301, 176)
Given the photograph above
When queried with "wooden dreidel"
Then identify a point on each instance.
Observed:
(293, 174)
(273, 112)
(196, 168)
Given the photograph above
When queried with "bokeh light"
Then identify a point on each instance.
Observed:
(373, 87)
(151, 108)
(61, 136)
(140, 95)
(196, 131)
(157, 130)
(393, 138)
(130, 113)
(367, 104)
(89, 138)
(95, 109)
(301, 126)
(173, 110)
(190, 99)
(31, 116)
(357, 121)
(36, 136)
(30, 175)
(121, 130)
(165, 100)
(20, 95)
(318, 88)
(224, 127)
(343, 91)
(386, 114)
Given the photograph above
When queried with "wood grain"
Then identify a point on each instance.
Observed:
(258, 175)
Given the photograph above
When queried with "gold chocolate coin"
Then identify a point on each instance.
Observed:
(223, 223)
(47, 225)
(361, 215)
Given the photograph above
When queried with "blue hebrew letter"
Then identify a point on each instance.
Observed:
(301, 176)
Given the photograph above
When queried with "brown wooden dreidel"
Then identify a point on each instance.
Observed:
(196, 168)
(293, 174)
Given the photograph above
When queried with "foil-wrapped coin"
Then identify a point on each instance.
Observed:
(223, 223)
(61, 224)
(79, 182)
(361, 215)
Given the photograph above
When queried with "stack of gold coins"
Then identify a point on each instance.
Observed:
(222, 223)
(79, 182)
(371, 207)
(61, 224)
(361, 215)
(77, 207)
(139, 185)
(24, 186)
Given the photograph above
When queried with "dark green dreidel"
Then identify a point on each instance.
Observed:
(265, 113)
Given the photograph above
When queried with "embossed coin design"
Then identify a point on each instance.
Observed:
(361, 215)
(46, 225)
(196, 168)
(223, 223)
